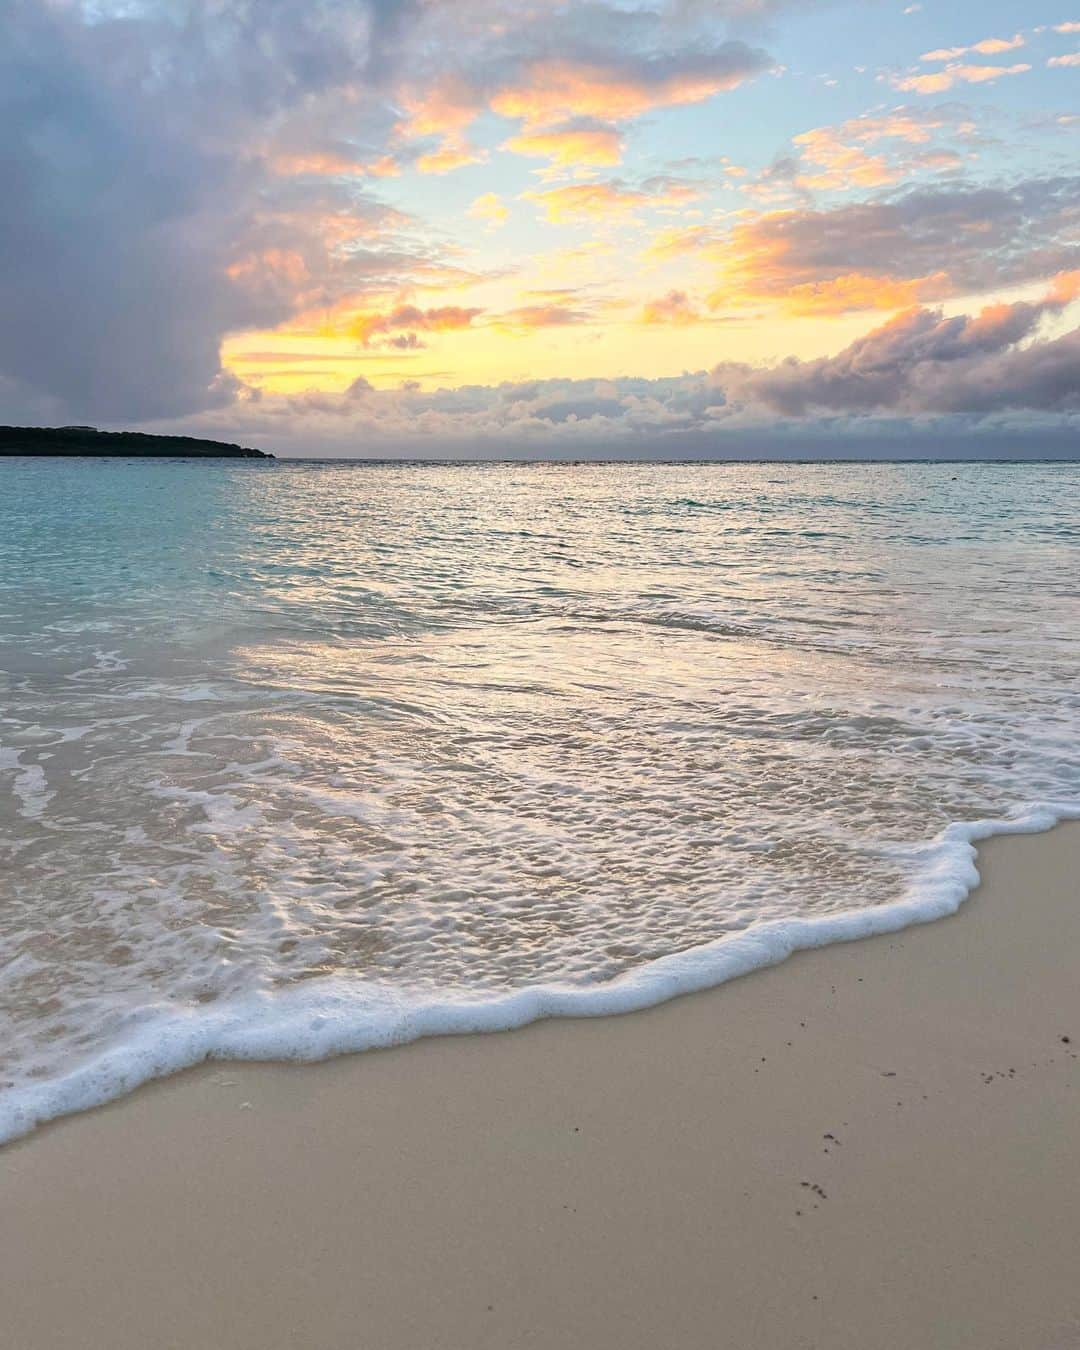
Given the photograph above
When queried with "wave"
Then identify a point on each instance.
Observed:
(323, 1018)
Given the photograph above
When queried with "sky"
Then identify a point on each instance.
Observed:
(621, 228)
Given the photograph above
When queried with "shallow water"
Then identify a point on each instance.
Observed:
(298, 757)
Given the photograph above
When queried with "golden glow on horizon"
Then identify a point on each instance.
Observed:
(575, 266)
(516, 350)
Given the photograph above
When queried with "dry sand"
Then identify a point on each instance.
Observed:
(871, 1146)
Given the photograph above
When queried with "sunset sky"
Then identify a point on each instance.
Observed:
(475, 226)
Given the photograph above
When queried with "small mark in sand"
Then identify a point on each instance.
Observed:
(245, 1106)
(888, 1073)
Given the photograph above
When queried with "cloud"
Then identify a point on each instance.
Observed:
(922, 384)
(922, 362)
(138, 225)
(582, 202)
(332, 163)
(491, 209)
(577, 145)
(987, 47)
(442, 319)
(675, 307)
(178, 171)
(842, 164)
(445, 107)
(190, 169)
(1072, 59)
(854, 291)
(926, 243)
(453, 153)
(871, 150)
(683, 241)
(955, 73)
(551, 91)
(540, 316)
(442, 111)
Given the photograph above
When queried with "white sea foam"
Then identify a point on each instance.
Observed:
(28, 783)
(324, 1018)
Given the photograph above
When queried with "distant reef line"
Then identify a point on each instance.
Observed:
(100, 444)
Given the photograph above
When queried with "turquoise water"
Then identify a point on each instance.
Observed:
(299, 757)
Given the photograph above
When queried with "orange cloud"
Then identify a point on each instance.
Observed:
(675, 307)
(855, 291)
(1064, 289)
(987, 47)
(490, 208)
(570, 147)
(557, 91)
(444, 318)
(586, 201)
(838, 151)
(908, 127)
(771, 258)
(454, 153)
(445, 108)
(953, 74)
(842, 165)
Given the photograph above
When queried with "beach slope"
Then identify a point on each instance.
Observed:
(871, 1147)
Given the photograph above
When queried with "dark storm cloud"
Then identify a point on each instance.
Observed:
(131, 186)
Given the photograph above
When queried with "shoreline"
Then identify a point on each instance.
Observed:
(874, 1144)
(325, 1019)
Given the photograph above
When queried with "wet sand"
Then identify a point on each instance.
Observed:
(870, 1147)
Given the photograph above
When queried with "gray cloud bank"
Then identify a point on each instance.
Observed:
(131, 187)
(921, 362)
(922, 384)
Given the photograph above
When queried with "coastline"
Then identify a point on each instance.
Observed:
(625, 1181)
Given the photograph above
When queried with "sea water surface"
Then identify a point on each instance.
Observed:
(304, 757)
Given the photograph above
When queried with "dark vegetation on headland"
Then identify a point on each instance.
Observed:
(90, 441)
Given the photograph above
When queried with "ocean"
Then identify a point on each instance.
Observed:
(306, 757)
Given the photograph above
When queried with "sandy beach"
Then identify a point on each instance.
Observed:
(871, 1147)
